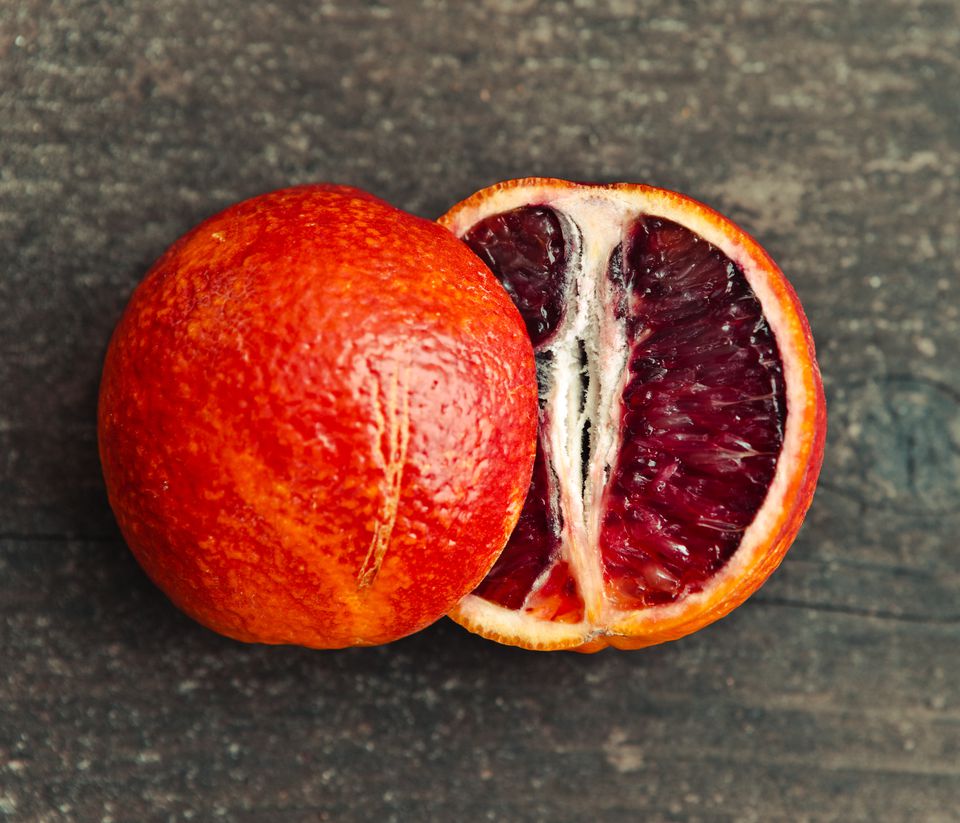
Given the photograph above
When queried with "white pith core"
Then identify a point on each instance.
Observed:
(596, 221)
(565, 378)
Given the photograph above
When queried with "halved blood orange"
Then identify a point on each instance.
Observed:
(682, 416)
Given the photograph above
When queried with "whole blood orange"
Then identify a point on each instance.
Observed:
(682, 417)
(317, 420)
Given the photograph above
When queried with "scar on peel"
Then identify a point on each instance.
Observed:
(391, 407)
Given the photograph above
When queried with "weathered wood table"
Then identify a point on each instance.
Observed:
(830, 130)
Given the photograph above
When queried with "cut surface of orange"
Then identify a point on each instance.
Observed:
(682, 416)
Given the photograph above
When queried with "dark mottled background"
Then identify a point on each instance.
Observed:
(831, 130)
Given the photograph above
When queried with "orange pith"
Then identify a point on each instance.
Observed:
(549, 619)
(317, 419)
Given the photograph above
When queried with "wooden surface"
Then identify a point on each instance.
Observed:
(830, 130)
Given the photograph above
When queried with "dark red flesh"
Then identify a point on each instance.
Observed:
(701, 416)
(533, 549)
(533, 546)
(528, 252)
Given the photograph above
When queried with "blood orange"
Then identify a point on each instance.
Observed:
(682, 417)
(317, 420)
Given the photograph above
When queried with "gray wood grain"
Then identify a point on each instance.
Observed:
(831, 131)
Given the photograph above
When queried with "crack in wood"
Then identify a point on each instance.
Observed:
(854, 611)
(23, 537)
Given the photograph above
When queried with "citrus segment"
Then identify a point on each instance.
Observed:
(701, 421)
(527, 250)
(534, 544)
